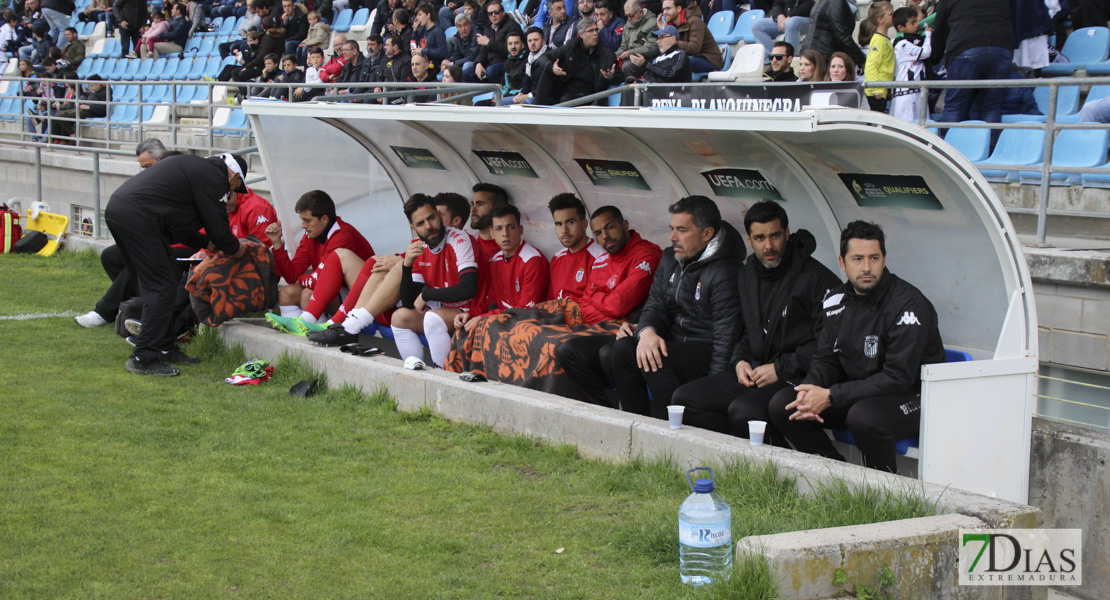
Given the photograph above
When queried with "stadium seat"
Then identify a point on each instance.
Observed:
(131, 69)
(105, 67)
(1067, 104)
(227, 27)
(145, 65)
(208, 47)
(974, 144)
(214, 26)
(227, 121)
(742, 31)
(1084, 48)
(86, 67)
(192, 46)
(361, 18)
(726, 52)
(212, 68)
(187, 93)
(156, 93)
(720, 25)
(1096, 180)
(123, 115)
(184, 65)
(164, 68)
(451, 31)
(97, 49)
(747, 65)
(196, 71)
(122, 67)
(1014, 147)
(343, 21)
(1073, 148)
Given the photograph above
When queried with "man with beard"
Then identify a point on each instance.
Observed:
(439, 280)
(486, 197)
(330, 253)
(692, 316)
(570, 267)
(877, 331)
(781, 289)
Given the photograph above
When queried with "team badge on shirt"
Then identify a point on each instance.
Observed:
(871, 346)
(697, 292)
(579, 275)
(518, 286)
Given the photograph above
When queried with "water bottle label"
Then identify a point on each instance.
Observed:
(705, 536)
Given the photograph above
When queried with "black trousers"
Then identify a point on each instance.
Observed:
(875, 424)
(685, 362)
(150, 260)
(721, 403)
(129, 39)
(123, 286)
(587, 363)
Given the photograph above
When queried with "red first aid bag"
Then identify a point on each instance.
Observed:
(10, 231)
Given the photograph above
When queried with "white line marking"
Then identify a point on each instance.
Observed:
(27, 317)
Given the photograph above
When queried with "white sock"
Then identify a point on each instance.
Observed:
(439, 340)
(308, 317)
(290, 311)
(357, 320)
(408, 343)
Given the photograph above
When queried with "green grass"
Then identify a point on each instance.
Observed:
(114, 485)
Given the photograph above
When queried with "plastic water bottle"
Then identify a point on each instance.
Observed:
(704, 533)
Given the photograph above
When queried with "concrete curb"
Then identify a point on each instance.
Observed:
(924, 547)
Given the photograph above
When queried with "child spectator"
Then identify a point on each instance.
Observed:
(880, 57)
(271, 68)
(910, 51)
(10, 39)
(318, 34)
(289, 74)
(312, 74)
(158, 26)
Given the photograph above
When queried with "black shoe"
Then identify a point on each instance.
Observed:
(334, 335)
(157, 368)
(177, 357)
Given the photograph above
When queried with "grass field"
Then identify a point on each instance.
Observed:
(114, 485)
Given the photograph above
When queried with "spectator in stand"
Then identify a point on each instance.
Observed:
(671, 66)
(271, 68)
(311, 76)
(1032, 26)
(290, 73)
(295, 23)
(158, 26)
(74, 50)
(194, 11)
(402, 27)
(353, 70)
(174, 39)
(440, 279)
(31, 15)
(581, 67)
(841, 67)
(782, 56)
(256, 10)
(428, 37)
(130, 16)
(582, 9)
(558, 29)
(375, 58)
(319, 33)
(831, 23)
(975, 40)
(537, 48)
(637, 36)
(243, 56)
(420, 73)
(812, 67)
(1088, 13)
(90, 105)
(781, 290)
(10, 38)
(691, 320)
(789, 18)
(383, 18)
(611, 27)
(398, 63)
(516, 88)
(40, 46)
(95, 11)
(910, 51)
(491, 57)
(694, 38)
(315, 273)
(57, 13)
(462, 48)
(880, 58)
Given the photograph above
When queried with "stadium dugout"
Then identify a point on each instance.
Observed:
(947, 232)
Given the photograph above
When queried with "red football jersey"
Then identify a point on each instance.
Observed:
(251, 217)
(620, 282)
(440, 267)
(311, 253)
(519, 282)
(570, 271)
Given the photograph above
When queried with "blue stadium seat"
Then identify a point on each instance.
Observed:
(208, 47)
(1073, 148)
(974, 144)
(1096, 180)
(145, 65)
(726, 53)
(230, 60)
(188, 93)
(105, 68)
(111, 49)
(451, 31)
(129, 71)
(720, 25)
(197, 69)
(155, 93)
(85, 69)
(1014, 147)
(1067, 104)
(123, 115)
(192, 46)
(1084, 48)
(183, 69)
(237, 120)
(214, 26)
(120, 69)
(227, 27)
(386, 333)
(742, 31)
(361, 17)
(343, 21)
(164, 68)
(213, 67)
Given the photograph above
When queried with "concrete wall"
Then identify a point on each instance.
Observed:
(1070, 482)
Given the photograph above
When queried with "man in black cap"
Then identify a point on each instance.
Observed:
(166, 204)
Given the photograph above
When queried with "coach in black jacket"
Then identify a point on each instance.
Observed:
(877, 331)
(691, 319)
(781, 289)
(169, 203)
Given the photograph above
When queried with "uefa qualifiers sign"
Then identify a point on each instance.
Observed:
(1021, 557)
(775, 97)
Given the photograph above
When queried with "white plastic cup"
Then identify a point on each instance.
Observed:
(756, 429)
(674, 413)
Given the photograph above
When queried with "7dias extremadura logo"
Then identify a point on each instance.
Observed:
(1021, 557)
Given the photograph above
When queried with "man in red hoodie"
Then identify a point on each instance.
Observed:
(316, 272)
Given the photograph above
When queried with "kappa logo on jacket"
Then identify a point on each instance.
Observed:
(908, 318)
(261, 219)
(645, 266)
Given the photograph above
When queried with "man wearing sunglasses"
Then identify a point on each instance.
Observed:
(494, 44)
(782, 54)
